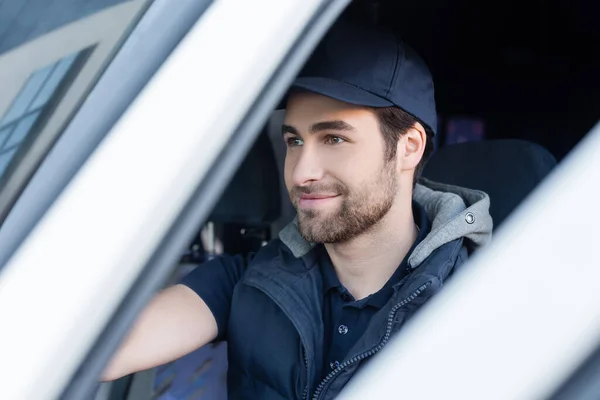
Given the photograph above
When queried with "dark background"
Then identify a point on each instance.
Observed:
(529, 68)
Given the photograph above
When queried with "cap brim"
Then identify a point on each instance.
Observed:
(337, 90)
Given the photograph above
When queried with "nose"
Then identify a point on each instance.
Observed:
(306, 167)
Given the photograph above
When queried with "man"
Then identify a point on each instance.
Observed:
(364, 253)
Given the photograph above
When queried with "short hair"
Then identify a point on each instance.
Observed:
(393, 123)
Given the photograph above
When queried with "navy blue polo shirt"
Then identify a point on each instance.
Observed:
(345, 319)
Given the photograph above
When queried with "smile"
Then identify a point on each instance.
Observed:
(315, 200)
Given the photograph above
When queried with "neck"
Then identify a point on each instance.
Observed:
(365, 263)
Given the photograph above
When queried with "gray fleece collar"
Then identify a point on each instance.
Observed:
(455, 212)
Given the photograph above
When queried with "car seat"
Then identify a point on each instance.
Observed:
(507, 170)
(251, 202)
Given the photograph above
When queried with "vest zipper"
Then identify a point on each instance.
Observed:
(321, 388)
(305, 391)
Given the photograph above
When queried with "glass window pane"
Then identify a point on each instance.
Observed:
(58, 74)
(27, 95)
(23, 128)
(51, 55)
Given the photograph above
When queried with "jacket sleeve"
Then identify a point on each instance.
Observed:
(214, 282)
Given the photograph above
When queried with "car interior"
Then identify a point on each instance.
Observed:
(517, 89)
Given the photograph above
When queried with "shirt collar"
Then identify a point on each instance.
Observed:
(330, 279)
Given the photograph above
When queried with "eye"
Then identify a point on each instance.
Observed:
(293, 141)
(330, 139)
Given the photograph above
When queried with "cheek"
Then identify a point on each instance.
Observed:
(351, 175)
(358, 166)
(344, 157)
(288, 169)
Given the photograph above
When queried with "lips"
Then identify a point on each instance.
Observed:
(317, 196)
(308, 201)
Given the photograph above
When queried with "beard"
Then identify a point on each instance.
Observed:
(360, 209)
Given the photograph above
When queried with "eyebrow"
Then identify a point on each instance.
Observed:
(337, 125)
(288, 129)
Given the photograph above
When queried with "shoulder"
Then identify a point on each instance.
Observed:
(276, 257)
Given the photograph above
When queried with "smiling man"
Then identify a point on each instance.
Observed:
(369, 245)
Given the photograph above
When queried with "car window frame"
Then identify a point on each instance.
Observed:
(39, 144)
(584, 383)
(159, 268)
(159, 30)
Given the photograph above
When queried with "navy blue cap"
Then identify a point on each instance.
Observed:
(370, 66)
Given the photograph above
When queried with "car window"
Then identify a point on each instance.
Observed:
(51, 55)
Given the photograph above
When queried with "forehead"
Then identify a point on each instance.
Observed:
(305, 107)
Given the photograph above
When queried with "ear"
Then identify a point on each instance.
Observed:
(411, 147)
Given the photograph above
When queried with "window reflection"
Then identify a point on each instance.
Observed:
(51, 55)
(21, 118)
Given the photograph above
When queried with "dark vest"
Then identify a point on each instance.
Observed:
(275, 331)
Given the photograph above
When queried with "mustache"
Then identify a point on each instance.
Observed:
(336, 188)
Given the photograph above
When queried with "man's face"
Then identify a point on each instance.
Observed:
(335, 169)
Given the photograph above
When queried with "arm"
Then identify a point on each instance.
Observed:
(176, 322)
(181, 319)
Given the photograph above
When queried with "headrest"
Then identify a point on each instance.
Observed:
(252, 197)
(507, 170)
